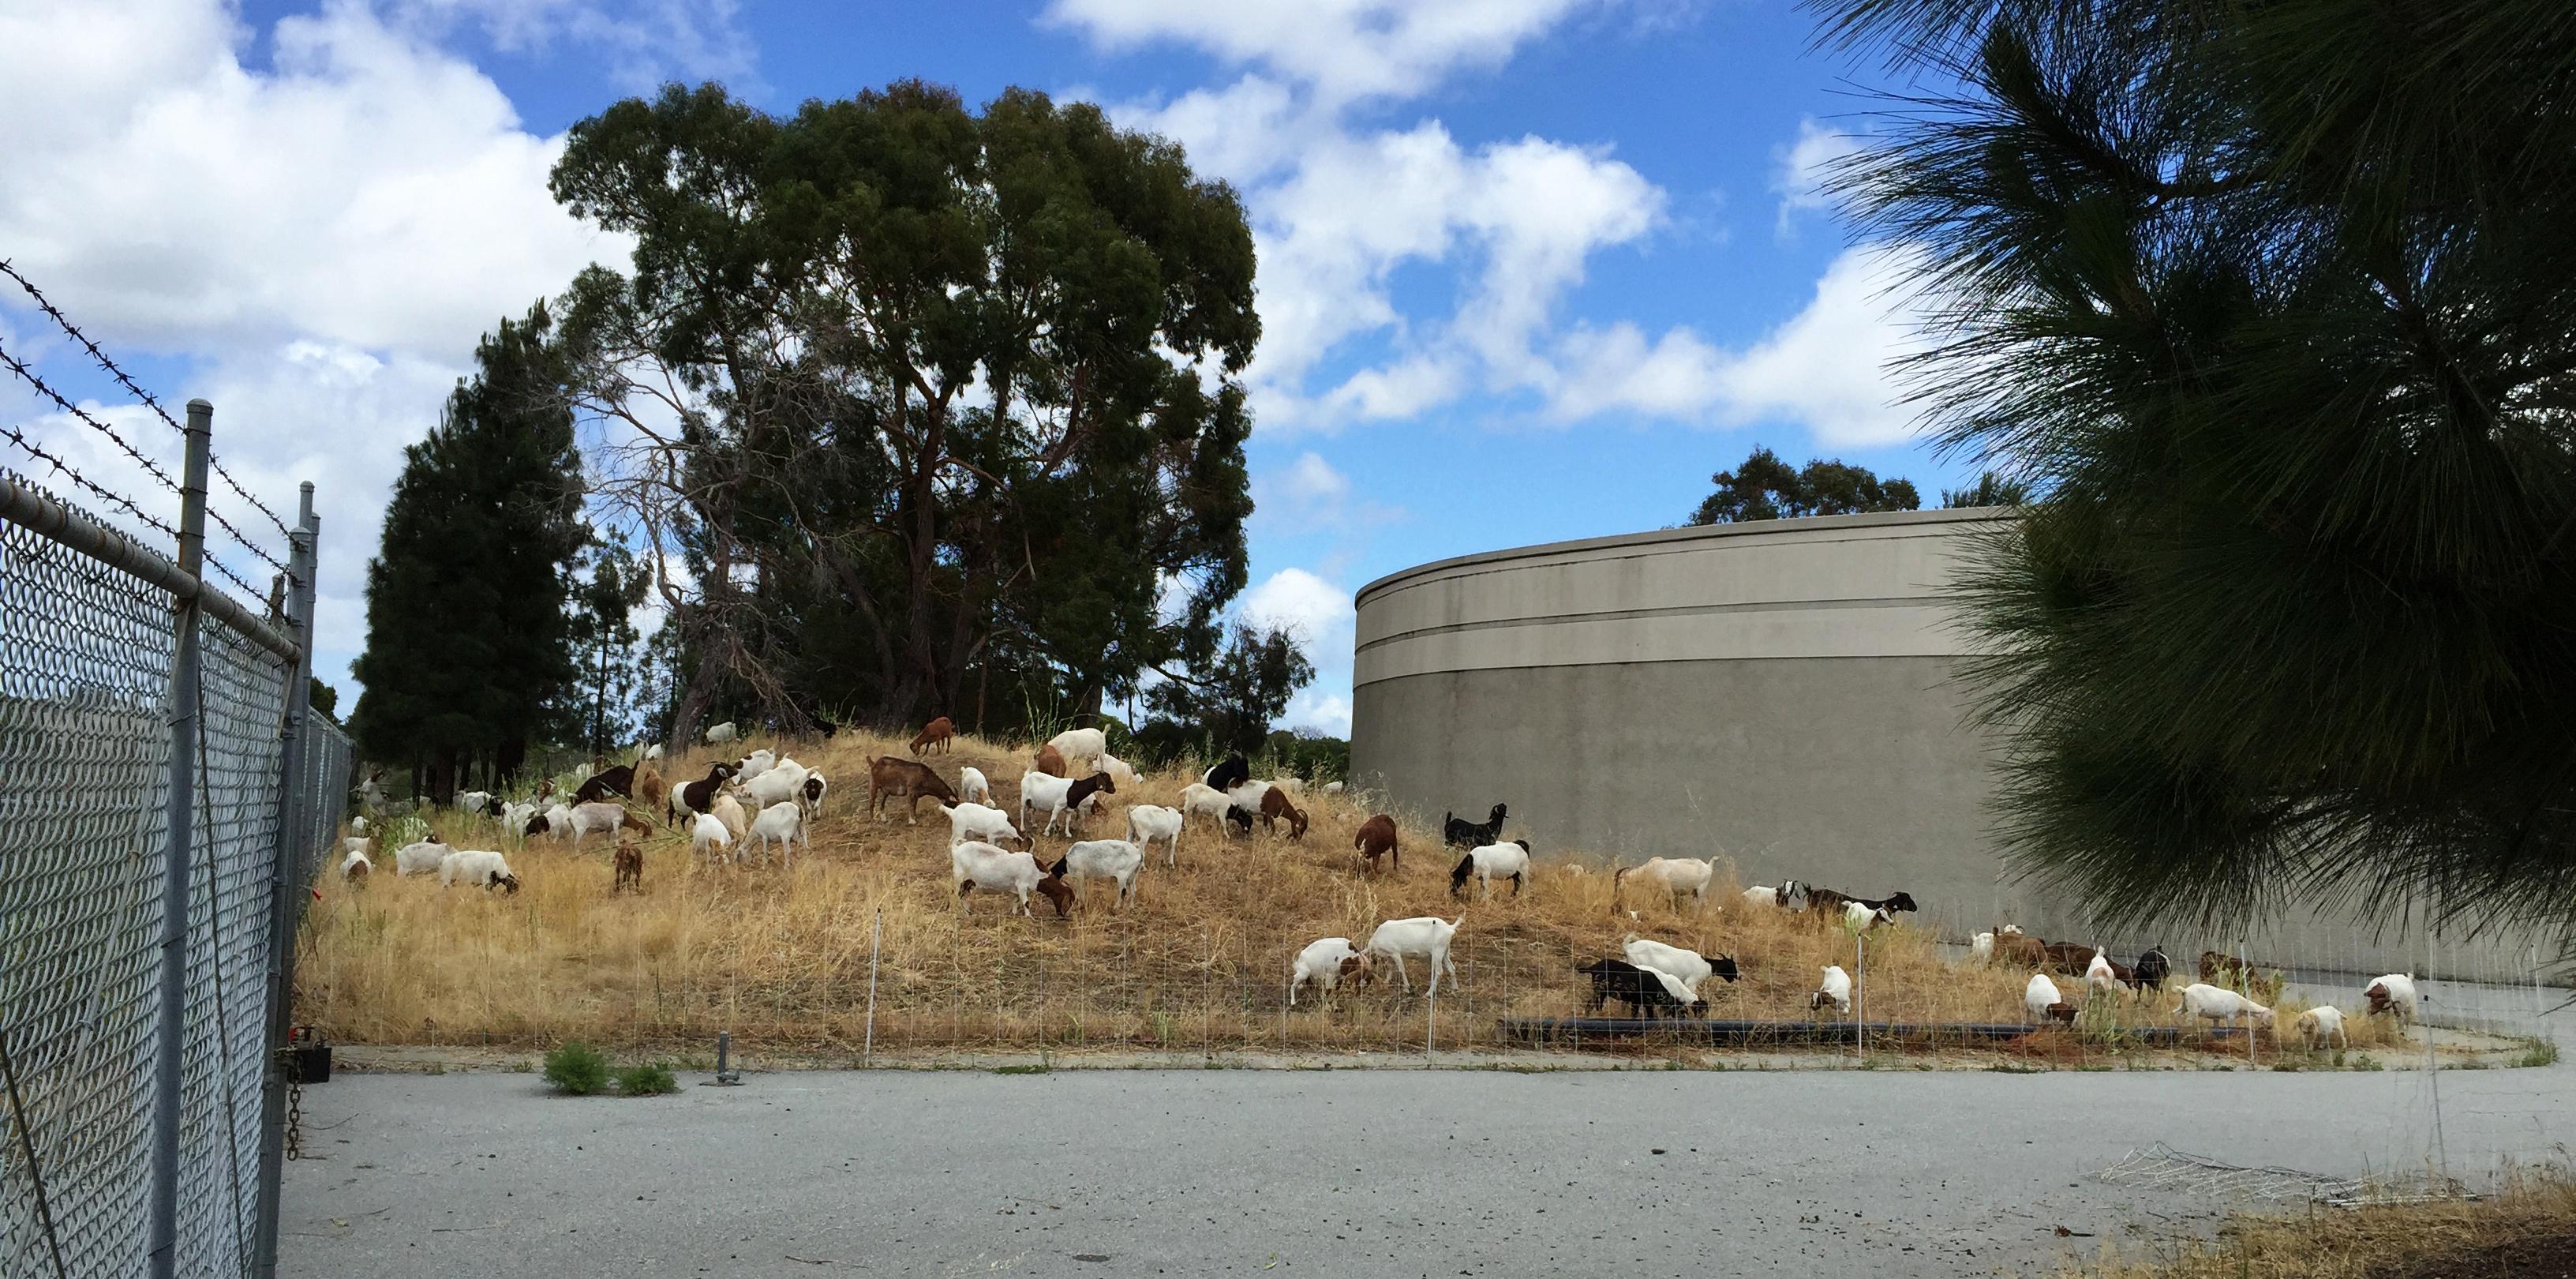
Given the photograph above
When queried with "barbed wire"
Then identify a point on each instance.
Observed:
(71, 330)
(121, 502)
(28, 376)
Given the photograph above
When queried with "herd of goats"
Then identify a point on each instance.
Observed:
(767, 799)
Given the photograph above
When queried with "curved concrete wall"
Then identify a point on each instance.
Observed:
(1781, 692)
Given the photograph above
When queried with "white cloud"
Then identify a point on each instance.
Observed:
(1346, 49)
(1300, 602)
(1313, 708)
(645, 42)
(1803, 167)
(323, 242)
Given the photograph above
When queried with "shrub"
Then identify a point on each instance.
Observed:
(646, 1079)
(577, 1068)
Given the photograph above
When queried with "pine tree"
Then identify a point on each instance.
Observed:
(467, 653)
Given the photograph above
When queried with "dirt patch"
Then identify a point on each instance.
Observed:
(2542, 1256)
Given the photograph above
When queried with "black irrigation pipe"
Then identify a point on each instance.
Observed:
(1750, 1033)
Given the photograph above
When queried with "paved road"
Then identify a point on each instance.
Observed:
(1344, 1173)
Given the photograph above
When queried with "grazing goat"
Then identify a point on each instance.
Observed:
(815, 788)
(1676, 876)
(1981, 948)
(976, 822)
(2106, 976)
(421, 858)
(1785, 897)
(2394, 993)
(630, 868)
(983, 868)
(1827, 902)
(481, 868)
(2217, 968)
(652, 752)
(2020, 951)
(1644, 990)
(2320, 1023)
(1148, 823)
(1332, 788)
(1116, 860)
(1328, 962)
(719, 734)
(1376, 839)
(1198, 800)
(782, 823)
(1081, 747)
(1861, 916)
(615, 781)
(2071, 958)
(700, 796)
(1425, 935)
(1051, 762)
(1240, 818)
(2153, 968)
(972, 786)
(729, 811)
(907, 779)
(1227, 773)
(1119, 770)
(1458, 832)
(355, 866)
(709, 831)
(2042, 1000)
(476, 802)
(784, 783)
(604, 817)
(754, 764)
(652, 791)
(938, 732)
(1275, 805)
(1059, 796)
(1833, 991)
(1493, 861)
(1688, 965)
(2217, 1003)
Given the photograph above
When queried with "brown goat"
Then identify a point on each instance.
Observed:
(652, 791)
(909, 779)
(1377, 839)
(613, 781)
(1275, 805)
(938, 732)
(2221, 970)
(2020, 950)
(2068, 957)
(2062, 1012)
(1051, 761)
(630, 868)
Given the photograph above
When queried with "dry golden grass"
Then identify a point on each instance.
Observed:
(2528, 1230)
(1202, 959)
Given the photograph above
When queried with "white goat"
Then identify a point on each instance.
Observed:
(356, 865)
(1981, 948)
(2217, 1003)
(755, 763)
(709, 831)
(421, 858)
(602, 818)
(477, 802)
(1057, 795)
(2318, 1024)
(976, 822)
(977, 867)
(1425, 935)
(477, 867)
(1081, 748)
(1119, 770)
(1491, 862)
(1690, 966)
(1678, 877)
(816, 787)
(1860, 918)
(1201, 800)
(972, 786)
(358, 823)
(2039, 995)
(1325, 962)
(728, 810)
(2394, 993)
(1834, 990)
(653, 752)
(2100, 975)
(782, 824)
(1111, 859)
(780, 783)
(719, 734)
(1147, 823)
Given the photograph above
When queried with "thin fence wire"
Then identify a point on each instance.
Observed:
(2161, 1167)
(86, 659)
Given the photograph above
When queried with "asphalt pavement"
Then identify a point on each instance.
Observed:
(1344, 1173)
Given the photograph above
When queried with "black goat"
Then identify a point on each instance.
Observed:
(1825, 901)
(619, 780)
(1238, 816)
(1466, 834)
(1229, 773)
(697, 795)
(1640, 990)
(2153, 967)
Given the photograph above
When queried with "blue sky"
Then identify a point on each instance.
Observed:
(1531, 270)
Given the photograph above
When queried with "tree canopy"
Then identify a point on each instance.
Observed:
(466, 624)
(939, 408)
(1229, 702)
(2278, 303)
(1766, 488)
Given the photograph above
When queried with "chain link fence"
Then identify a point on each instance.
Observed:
(94, 741)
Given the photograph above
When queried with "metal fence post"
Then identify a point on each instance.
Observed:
(170, 1029)
(287, 874)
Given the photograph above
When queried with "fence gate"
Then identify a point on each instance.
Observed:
(165, 798)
